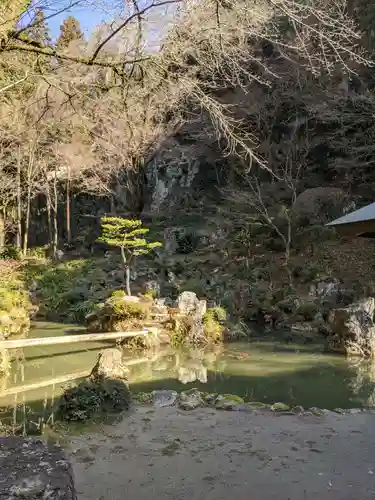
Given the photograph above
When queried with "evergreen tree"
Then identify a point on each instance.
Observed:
(70, 31)
(39, 32)
(130, 237)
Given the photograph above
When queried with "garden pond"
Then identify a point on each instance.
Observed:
(263, 371)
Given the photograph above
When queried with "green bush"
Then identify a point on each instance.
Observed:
(307, 310)
(69, 290)
(38, 252)
(15, 305)
(93, 398)
(117, 313)
(123, 309)
(13, 291)
(213, 323)
(10, 252)
(179, 330)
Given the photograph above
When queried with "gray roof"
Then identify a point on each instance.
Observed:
(363, 214)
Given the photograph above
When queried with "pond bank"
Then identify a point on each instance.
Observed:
(170, 453)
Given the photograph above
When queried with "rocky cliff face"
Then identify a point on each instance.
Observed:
(188, 169)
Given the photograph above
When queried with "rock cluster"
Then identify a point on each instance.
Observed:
(193, 398)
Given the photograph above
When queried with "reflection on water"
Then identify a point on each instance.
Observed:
(258, 371)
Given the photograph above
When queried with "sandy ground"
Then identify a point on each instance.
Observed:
(204, 454)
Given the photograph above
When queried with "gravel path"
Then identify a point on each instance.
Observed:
(167, 453)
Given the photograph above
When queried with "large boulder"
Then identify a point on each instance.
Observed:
(188, 303)
(321, 204)
(352, 328)
(110, 365)
(32, 469)
(192, 310)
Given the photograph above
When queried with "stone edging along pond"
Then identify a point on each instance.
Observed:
(193, 398)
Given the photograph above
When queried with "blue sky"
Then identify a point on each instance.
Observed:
(90, 13)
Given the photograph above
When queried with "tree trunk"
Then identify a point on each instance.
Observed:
(27, 220)
(19, 204)
(68, 226)
(127, 271)
(2, 231)
(55, 225)
(127, 280)
(49, 215)
(112, 205)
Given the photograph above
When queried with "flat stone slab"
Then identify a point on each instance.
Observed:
(31, 469)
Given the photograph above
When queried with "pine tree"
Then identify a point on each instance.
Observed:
(70, 31)
(38, 32)
(129, 236)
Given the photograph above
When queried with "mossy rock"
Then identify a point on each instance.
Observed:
(93, 398)
(280, 407)
(228, 402)
(340, 411)
(118, 313)
(259, 404)
(233, 397)
(143, 397)
(191, 399)
(318, 412)
(209, 397)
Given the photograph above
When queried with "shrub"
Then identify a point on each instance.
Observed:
(307, 310)
(179, 329)
(69, 290)
(10, 252)
(38, 252)
(123, 309)
(117, 313)
(213, 323)
(150, 294)
(93, 398)
(14, 300)
(288, 305)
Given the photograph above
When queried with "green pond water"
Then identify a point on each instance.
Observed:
(258, 371)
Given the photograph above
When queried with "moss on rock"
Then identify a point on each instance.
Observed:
(120, 312)
(228, 402)
(93, 398)
(280, 407)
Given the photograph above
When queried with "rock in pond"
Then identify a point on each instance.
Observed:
(109, 365)
(164, 398)
(189, 400)
(229, 402)
(353, 329)
(280, 407)
(32, 469)
(188, 303)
